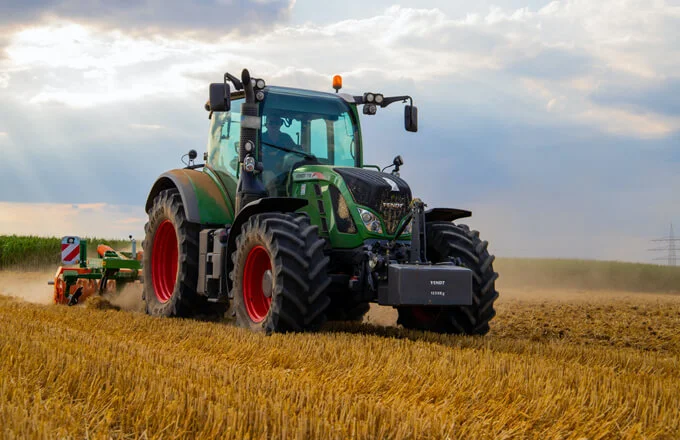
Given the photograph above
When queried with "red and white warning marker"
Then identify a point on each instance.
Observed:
(70, 250)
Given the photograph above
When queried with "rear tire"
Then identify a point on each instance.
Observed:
(171, 262)
(449, 242)
(280, 274)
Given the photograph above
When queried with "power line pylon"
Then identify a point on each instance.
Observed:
(671, 244)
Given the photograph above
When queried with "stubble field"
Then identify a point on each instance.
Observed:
(558, 363)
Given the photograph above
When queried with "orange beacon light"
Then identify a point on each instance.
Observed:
(337, 83)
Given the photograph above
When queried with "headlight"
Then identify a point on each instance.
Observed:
(379, 98)
(370, 109)
(249, 164)
(369, 97)
(371, 222)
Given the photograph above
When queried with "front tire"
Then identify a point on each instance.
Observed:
(280, 274)
(449, 242)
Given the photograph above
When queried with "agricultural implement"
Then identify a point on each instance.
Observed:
(286, 226)
(80, 277)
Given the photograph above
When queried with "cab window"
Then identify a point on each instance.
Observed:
(319, 138)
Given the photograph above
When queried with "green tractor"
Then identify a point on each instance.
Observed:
(288, 227)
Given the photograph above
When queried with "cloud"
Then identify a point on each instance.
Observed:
(68, 155)
(212, 17)
(89, 207)
(132, 221)
(655, 95)
(552, 63)
(558, 55)
(148, 126)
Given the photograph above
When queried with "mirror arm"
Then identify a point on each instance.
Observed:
(386, 101)
(237, 83)
(389, 100)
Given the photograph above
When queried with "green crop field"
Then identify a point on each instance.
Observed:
(31, 252)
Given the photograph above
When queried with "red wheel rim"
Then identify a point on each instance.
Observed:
(164, 261)
(256, 302)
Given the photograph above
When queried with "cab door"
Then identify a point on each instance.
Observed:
(223, 145)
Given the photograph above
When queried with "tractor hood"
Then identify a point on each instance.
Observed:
(387, 195)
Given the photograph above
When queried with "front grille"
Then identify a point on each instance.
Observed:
(392, 214)
(373, 190)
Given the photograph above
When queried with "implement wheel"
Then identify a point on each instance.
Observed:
(171, 262)
(280, 274)
(449, 242)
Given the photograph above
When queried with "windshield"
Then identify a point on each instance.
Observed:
(309, 126)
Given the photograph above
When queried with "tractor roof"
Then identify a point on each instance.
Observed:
(291, 91)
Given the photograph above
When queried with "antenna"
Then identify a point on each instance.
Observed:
(670, 245)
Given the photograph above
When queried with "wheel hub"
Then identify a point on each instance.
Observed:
(267, 283)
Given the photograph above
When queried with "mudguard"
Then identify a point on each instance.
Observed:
(445, 214)
(204, 202)
(267, 204)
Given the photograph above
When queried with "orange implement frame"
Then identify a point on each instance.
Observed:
(90, 286)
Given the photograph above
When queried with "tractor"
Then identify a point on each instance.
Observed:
(286, 227)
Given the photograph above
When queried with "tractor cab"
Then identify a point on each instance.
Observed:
(298, 127)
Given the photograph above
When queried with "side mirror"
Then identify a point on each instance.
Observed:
(411, 118)
(220, 97)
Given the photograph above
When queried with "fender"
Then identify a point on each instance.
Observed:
(203, 201)
(267, 204)
(445, 214)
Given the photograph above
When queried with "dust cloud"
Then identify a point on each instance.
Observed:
(129, 299)
(30, 286)
(381, 315)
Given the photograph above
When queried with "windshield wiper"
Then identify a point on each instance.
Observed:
(289, 150)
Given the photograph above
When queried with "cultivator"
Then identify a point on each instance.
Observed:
(80, 277)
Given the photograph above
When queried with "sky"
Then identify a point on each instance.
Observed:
(556, 122)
